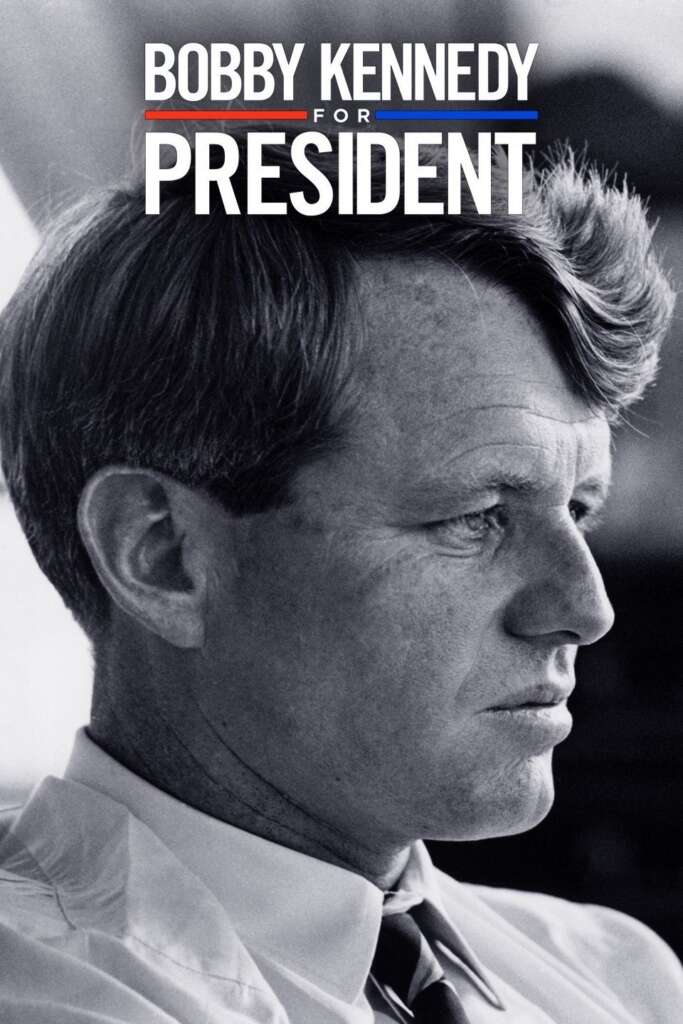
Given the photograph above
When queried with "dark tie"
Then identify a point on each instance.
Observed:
(405, 962)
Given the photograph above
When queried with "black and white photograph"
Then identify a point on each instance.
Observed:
(341, 512)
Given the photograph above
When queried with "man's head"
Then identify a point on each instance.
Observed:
(321, 485)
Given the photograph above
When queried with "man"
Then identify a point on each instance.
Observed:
(318, 491)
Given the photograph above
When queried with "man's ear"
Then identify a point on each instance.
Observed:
(143, 532)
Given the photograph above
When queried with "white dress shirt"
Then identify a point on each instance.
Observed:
(121, 905)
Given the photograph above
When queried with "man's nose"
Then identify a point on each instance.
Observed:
(563, 593)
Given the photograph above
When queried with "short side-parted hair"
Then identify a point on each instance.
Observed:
(214, 348)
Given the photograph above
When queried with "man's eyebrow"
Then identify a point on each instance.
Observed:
(594, 492)
(468, 486)
(597, 486)
(442, 493)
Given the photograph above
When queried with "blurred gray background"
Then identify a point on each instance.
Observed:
(608, 75)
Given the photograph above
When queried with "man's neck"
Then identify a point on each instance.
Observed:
(193, 767)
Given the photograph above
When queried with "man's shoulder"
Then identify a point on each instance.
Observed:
(604, 945)
(571, 926)
(29, 904)
(37, 943)
(96, 913)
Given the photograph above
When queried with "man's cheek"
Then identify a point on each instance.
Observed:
(419, 609)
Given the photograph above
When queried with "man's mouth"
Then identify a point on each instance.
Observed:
(537, 716)
(544, 695)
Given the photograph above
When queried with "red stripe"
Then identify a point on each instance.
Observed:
(226, 115)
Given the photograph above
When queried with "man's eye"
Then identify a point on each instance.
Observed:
(472, 526)
(585, 517)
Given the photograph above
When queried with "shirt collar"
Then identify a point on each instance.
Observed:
(418, 890)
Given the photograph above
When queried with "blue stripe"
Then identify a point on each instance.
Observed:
(456, 115)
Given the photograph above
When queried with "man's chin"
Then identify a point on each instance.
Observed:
(507, 806)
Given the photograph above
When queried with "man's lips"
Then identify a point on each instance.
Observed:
(537, 717)
(542, 695)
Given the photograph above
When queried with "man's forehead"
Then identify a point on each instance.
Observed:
(440, 341)
(458, 380)
(458, 387)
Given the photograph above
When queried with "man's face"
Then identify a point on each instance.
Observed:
(393, 632)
